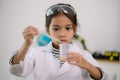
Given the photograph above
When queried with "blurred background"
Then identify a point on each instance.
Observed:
(99, 26)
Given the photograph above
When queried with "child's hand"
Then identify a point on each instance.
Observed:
(29, 33)
(76, 59)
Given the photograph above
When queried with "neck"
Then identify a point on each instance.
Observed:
(56, 46)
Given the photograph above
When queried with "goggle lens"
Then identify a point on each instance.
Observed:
(56, 8)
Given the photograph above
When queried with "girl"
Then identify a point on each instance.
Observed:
(61, 25)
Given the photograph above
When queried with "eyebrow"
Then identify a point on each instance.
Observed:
(69, 25)
(55, 25)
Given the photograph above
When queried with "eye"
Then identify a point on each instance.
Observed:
(55, 29)
(69, 28)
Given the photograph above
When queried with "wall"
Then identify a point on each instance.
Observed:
(99, 25)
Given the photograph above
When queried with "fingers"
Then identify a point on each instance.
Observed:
(30, 30)
(76, 59)
(29, 33)
(73, 58)
(72, 55)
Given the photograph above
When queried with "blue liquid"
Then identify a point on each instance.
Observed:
(43, 40)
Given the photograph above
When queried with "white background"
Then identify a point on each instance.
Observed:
(99, 25)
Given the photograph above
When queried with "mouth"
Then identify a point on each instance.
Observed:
(63, 41)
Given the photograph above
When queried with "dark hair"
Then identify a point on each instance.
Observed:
(71, 14)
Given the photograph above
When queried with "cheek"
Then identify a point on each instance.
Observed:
(73, 32)
(49, 31)
(71, 35)
(52, 33)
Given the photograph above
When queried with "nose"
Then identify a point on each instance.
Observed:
(62, 33)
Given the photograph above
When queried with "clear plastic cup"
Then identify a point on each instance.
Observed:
(64, 49)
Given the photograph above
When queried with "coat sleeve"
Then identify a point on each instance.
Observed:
(24, 68)
(90, 59)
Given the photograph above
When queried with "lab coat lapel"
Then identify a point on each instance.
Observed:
(66, 66)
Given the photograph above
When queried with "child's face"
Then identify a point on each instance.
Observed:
(61, 28)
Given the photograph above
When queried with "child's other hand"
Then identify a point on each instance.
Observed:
(76, 59)
(29, 33)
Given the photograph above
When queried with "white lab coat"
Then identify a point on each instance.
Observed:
(41, 61)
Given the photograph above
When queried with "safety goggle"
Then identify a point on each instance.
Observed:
(67, 9)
